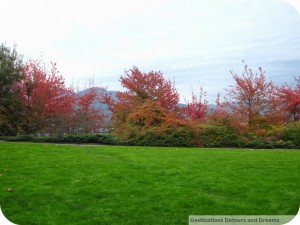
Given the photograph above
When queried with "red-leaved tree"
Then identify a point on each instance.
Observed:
(197, 107)
(251, 97)
(149, 101)
(88, 116)
(152, 85)
(290, 100)
(46, 101)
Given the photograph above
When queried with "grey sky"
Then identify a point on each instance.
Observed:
(194, 41)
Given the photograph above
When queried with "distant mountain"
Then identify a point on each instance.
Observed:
(100, 90)
(97, 105)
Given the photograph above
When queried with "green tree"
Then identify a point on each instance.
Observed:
(10, 107)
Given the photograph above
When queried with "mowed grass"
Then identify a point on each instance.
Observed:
(86, 185)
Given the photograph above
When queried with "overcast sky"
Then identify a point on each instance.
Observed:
(193, 41)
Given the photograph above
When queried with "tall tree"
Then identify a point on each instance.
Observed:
(149, 101)
(152, 85)
(250, 97)
(10, 73)
(88, 116)
(290, 100)
(46, 100)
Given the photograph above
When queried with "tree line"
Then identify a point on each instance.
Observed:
(35, 100)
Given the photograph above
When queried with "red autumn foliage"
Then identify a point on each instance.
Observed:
(88, 117)
(149, 101)
(151, 85)
(219, 115)
(196, 109)
(290, 99)
(51, 107)
(250, 97)
(151, 115)
(44, 95)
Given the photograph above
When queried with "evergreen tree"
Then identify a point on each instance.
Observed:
(10, 107)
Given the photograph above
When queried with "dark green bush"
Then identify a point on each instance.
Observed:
(85, 138)
(219, 136)
(260, 144)
(292, 134)
(27, 137)
(179, 137)
(212, 135)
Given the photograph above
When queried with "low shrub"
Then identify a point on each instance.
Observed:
(179, 137)
(292, 134)
(219, 136)
(28, 137)
(80, 139)
(211, 135)
(260, 144)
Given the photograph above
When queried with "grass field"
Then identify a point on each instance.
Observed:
(86, 185)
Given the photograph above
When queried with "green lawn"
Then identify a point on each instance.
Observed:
(87, 185)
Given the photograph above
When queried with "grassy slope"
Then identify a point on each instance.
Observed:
(60, 184)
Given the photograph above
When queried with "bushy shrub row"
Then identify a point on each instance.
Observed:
(219, 136)
(205, 136)
(80, 139)
(171, 138)
(260, 144)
